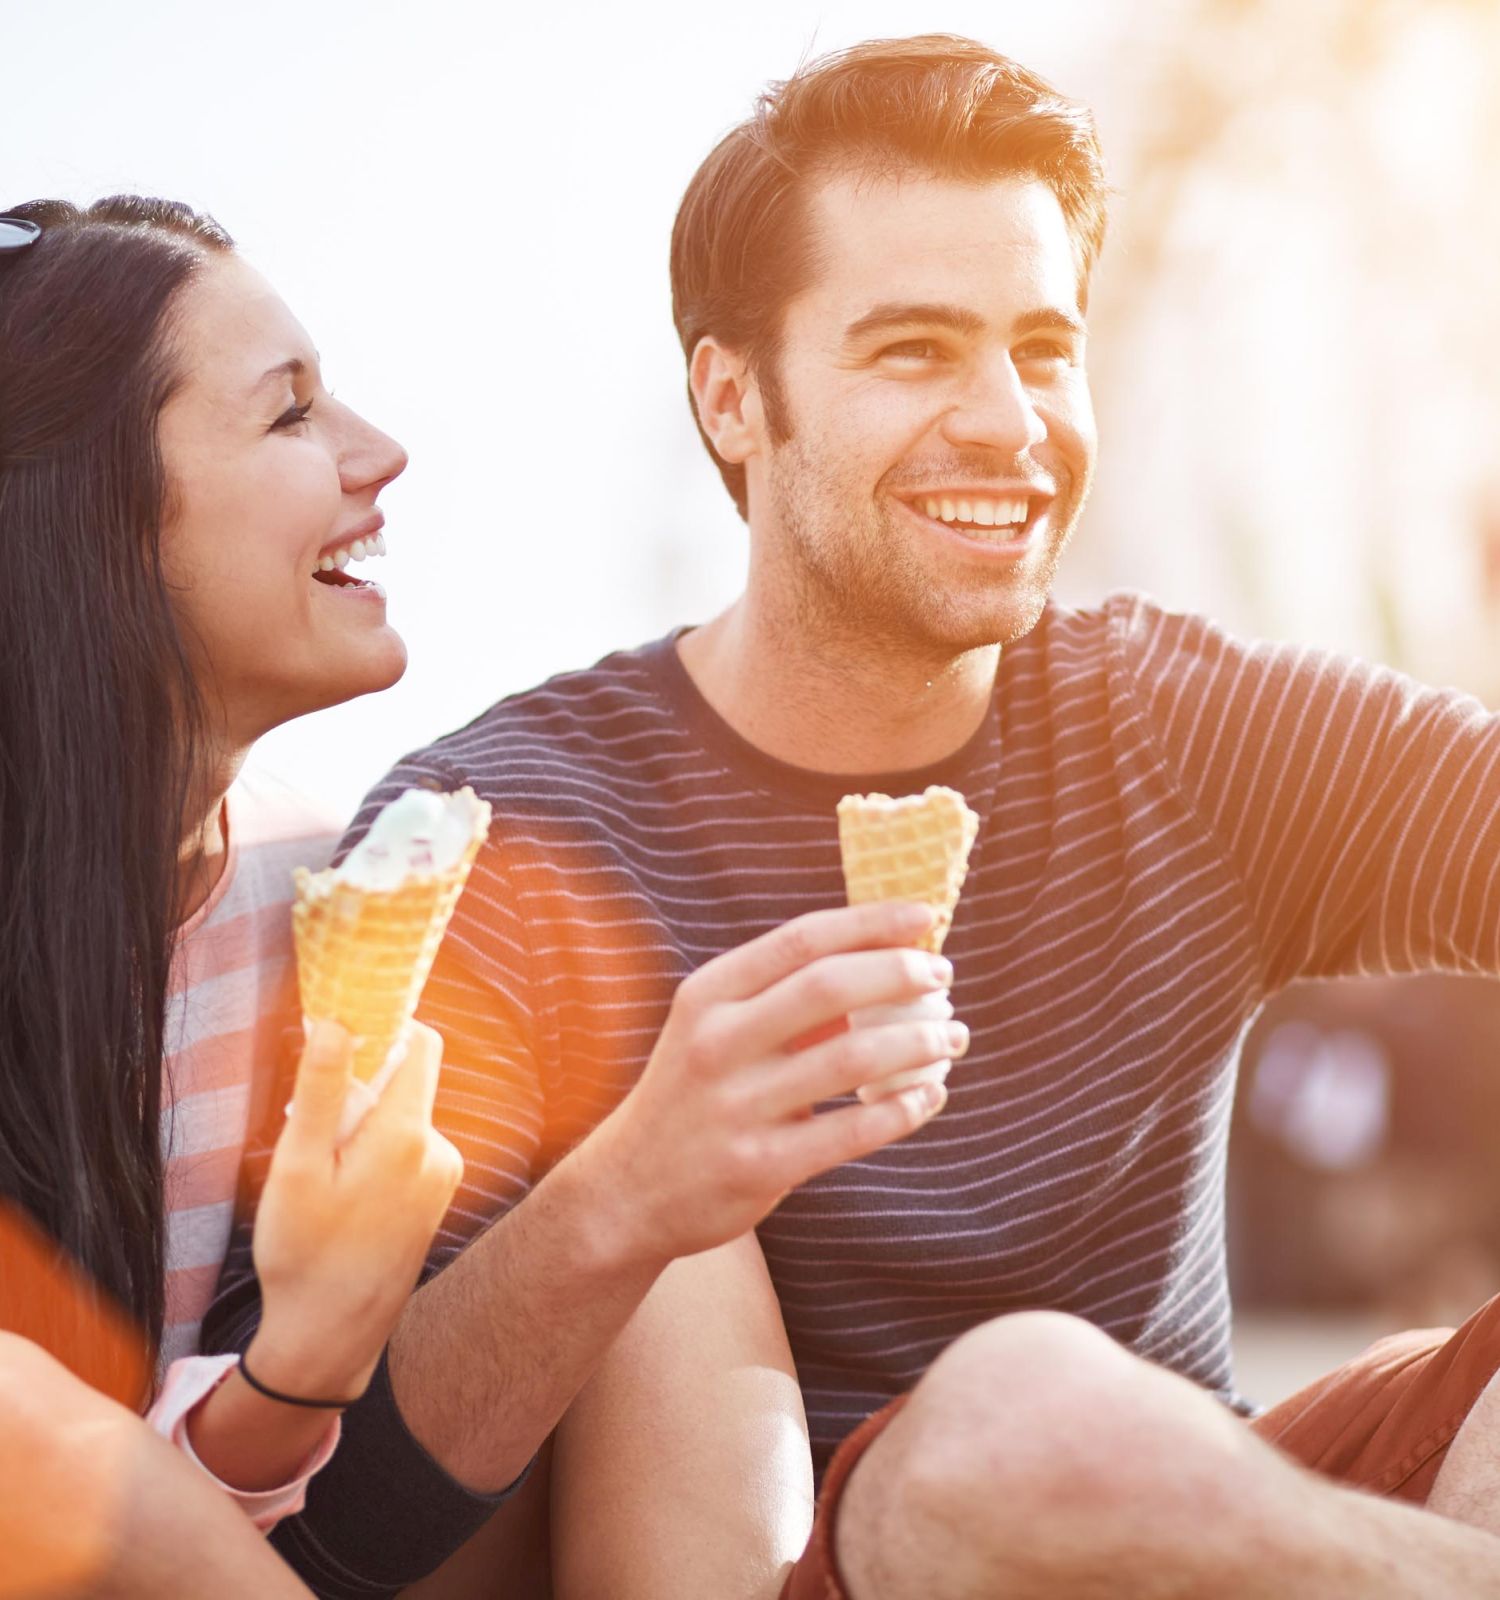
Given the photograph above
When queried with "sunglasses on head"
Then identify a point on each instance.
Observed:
(17, 234)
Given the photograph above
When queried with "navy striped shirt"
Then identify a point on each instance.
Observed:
(1174, 824)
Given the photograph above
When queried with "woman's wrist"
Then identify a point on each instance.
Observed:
(293, 1366)
(249, 1443)
(304, 1402)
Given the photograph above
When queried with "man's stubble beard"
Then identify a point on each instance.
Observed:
(866, 584)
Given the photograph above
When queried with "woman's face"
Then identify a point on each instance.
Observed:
(271, 490)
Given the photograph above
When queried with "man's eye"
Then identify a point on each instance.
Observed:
(292, 416)
(912, 350)
(1045, 350)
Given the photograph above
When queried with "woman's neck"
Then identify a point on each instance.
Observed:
(204, 851)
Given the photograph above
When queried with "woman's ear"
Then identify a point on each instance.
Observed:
(727, 400)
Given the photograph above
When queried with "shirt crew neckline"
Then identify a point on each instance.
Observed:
(781, 778)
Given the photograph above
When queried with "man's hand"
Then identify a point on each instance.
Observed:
(721, 1124)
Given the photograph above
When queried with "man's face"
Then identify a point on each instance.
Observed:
(937, 436)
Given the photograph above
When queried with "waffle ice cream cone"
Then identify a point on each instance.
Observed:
(367, 932)
(915, 848)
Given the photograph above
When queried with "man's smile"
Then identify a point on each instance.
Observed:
(1000, 523)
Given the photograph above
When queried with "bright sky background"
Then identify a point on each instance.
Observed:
(470, 215)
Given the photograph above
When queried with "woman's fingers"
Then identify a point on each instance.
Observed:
(827, 990)
(407, 1099)
(851, 1060)
(323, 1077)
(744, 972)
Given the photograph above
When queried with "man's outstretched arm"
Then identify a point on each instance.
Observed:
(1359, 811)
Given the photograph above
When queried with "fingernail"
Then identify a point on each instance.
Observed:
(942, 970)
(934, 1097)
(915, 916)
(326, 1037)
(958, 1038)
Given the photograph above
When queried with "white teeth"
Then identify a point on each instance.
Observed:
(359, 550)
(977, 513)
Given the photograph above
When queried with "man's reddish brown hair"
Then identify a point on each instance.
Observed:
(935, 104)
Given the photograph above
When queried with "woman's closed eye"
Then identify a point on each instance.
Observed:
(292, 416)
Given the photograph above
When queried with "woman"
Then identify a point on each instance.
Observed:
(179, 496)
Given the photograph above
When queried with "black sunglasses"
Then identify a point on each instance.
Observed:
(17, 234)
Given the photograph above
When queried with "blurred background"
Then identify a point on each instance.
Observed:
(1295, 348)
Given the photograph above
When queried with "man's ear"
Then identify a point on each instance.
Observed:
(727, 398)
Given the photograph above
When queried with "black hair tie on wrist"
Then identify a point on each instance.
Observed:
(291, 1399)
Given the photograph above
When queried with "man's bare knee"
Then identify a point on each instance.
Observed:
(1020, 1414)
(1041, 1437)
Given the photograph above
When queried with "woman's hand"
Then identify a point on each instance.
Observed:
(720, 1125)
(342, 1230)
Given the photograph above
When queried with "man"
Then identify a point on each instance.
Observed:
(880, 284)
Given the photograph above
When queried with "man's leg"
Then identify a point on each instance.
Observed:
(94, 1504)
(682, 1469)
(1038, 1458)
(1468, 1483)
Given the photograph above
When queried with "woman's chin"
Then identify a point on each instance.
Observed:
(381, 667)
(377, 665)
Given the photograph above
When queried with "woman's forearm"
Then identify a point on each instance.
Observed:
(251, 1443)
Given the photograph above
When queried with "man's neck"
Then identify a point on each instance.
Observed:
(832, 701)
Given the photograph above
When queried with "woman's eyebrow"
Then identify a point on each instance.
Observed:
(292, 367)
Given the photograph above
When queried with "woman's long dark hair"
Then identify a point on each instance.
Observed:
(99, 730)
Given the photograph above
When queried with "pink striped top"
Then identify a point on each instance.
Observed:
(231, 1019)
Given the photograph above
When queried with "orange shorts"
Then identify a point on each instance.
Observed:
(1383, 1422)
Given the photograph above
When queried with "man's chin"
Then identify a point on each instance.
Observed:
(958, 629)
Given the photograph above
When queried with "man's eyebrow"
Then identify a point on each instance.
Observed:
(901, 314)
(1050, 318)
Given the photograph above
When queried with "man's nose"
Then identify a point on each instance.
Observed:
(996, 411)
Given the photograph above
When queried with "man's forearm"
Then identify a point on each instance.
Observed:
(489, 1355)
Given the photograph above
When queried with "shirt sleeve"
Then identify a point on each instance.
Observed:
(192, 1380)
(385, 1513)
(1360, 811)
